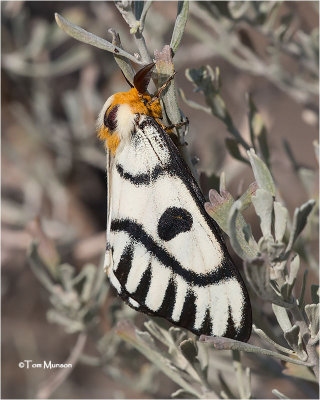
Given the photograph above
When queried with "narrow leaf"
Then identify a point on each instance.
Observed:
(299, 221)
(219, 207)
(312, 311)
(233, 148)
(89, 38)
(281, 217)
(143, 342)
(241, 237)
(263, 204)
(282, 317)
(279, 394)
(293, 338)
(261, 173)
(122, 62)
(181, 20)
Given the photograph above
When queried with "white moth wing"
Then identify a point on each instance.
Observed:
(108, 256)
(169, 258)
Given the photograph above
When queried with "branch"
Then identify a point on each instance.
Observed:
(222, 343)
(51, 385)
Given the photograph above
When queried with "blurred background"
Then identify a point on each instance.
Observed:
(53, 167)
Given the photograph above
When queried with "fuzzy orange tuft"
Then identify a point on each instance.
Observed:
(111, 140)
(135, 100)
(139, 104)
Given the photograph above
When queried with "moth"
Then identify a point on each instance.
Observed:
(165, 255)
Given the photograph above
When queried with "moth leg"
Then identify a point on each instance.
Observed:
(179, 125)
(161, 89)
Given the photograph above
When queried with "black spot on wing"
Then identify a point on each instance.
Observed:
(138, 234)
(174, 221)
(188, 314)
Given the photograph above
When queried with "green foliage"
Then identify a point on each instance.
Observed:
(271, 261)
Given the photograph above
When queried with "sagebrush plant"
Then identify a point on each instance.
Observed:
(271, 262)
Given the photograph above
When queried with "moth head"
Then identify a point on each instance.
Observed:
(117, 118)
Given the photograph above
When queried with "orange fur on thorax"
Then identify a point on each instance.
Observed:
(135, 101)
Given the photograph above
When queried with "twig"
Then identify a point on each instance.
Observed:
(221, 343)
(126, 11)
(51, 385)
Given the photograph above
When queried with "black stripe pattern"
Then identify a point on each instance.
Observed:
(146, 178)
(138, 234)
(183, 286)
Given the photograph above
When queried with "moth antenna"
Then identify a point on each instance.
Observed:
(158, 93)
(128, 82)
(142, 78)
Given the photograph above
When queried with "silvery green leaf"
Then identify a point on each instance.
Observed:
(263, 204)
(138, 8)
(181, 20)
(89, 275)
(258, 130)
(69, 324)
(282, 317)
(280, 223)
(299, 221)
(65, 273)
(219, 207)
(293, 338)
(261, 173)
(279, 394)
(246, 198)
(241, 237)
(147, 5)
(181, 394)
(294, 269)
(39, 268)
(258, 276)
(233, 148)
(312, 311)
(220, 204)
(315, 293)
(265, 337)
(89, 38)
(286, 289)
(226, 392)
(189, 349)
(192, 103)
(238, 9)
(303, 289)
(275, 250)
(203, 78)
(122, 62)
(144, 343)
